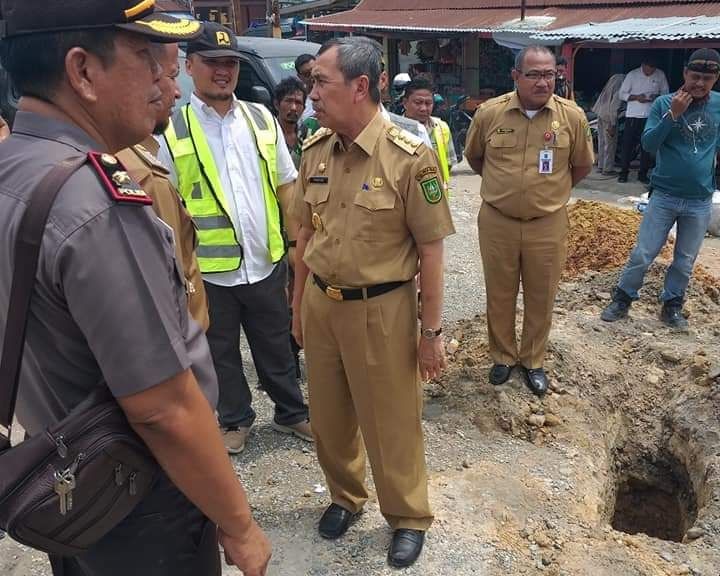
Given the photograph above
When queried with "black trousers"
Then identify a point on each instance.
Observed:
(631, 138)
(262, 311)
(166, 535)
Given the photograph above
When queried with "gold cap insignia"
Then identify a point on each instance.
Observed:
(555, 125)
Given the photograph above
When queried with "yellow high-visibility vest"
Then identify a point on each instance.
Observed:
(200, 186)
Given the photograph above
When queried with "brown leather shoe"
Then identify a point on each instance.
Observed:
(302, 430)
(235, 440)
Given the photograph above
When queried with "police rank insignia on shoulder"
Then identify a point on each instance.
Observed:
(319, 135)
(404, 139)
(116, 180)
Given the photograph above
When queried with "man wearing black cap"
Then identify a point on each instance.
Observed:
(232, 165)
(108, 307)
(682, 130)
(639, 89)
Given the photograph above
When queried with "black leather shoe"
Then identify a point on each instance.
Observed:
(622, 178)
(671, 314)
(499, 374)
(536, 380)
(335, 521)
(618, 308)
(406, 547)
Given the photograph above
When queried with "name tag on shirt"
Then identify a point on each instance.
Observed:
(545, 162)
(318, 179)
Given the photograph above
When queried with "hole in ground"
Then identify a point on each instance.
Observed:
(654, 497)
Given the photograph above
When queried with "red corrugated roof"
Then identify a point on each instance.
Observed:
(410, 5)
(486, 19)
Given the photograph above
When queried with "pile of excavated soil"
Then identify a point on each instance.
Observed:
(709, 282)
(600, 237)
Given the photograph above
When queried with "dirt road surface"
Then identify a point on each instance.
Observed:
(628, 438)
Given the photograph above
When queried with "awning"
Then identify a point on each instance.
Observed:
(488, 20)
(637, 29)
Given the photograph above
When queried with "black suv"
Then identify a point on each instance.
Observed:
(264, 62)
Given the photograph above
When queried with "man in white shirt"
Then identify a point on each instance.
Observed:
(231, 165)
(639, 89)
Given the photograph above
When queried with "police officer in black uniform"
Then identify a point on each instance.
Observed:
(109, 305)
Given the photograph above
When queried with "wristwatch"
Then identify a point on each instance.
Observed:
(429, 333)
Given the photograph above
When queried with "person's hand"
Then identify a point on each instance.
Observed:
(431, 357)
(297, 326)
(680, 102)
(250, 552)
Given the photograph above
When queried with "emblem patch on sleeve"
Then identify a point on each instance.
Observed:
(432, 190)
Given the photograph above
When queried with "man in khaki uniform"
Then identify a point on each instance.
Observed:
(143, 166)
(530, 147)
(370, 202)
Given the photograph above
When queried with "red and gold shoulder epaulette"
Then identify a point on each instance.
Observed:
(116, 180)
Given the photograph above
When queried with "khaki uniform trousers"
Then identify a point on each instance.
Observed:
(365, 394)
(531, 250)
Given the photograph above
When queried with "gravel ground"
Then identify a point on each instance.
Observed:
(503, 505)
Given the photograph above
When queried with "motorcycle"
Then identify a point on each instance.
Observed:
(459, 122)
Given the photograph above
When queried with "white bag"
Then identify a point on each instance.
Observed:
(714, 226)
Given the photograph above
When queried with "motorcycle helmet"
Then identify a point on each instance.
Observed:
(400, 81)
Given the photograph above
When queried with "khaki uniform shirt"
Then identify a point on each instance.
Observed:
(146, 170)
(509, 143)
(370, 204)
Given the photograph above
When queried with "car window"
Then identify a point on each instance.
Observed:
(281, 67)
(247, 79)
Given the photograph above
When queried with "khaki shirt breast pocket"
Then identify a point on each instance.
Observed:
(374, 218)
(316, 198)
(501, 145)
(561, 152)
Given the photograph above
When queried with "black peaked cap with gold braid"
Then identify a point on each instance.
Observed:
(24, 17)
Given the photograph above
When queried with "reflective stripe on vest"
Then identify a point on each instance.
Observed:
(439, 139)
(200, 186)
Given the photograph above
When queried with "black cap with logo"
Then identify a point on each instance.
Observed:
(24, 17)
(704, 60)
(215, 41)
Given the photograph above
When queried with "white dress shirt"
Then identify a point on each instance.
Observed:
(238, 165)
(636, 82)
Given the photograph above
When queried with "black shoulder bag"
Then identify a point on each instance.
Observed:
(62, 490)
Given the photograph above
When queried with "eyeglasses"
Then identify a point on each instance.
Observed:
(537, 75)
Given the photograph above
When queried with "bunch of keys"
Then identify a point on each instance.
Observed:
(65, 484)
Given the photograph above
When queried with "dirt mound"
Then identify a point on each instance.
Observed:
(600, 237)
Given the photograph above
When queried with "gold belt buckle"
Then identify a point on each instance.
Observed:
(334, 293)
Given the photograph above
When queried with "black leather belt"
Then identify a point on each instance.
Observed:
(341, 294)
